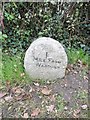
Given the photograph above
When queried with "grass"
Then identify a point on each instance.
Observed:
(82, 95)
(60, 103)
(13, 70)
(75, 55)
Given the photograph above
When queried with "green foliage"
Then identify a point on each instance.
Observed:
(28, 21)
(74, 55)
(8, 16)
(2, 37)
(81, 95)
(60, 103)
(12, 69)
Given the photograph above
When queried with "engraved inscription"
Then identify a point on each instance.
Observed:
(47, 62)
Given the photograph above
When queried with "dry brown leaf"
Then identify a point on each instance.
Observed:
(23, 96)
(75, 115)
(50, 108)
(19, 91)
(69, 66)
(35, 112)
(13, 89)
(26, 115)
(46, 91)
(76, 112)
(52, 98)
(2, 94)
(18, 98)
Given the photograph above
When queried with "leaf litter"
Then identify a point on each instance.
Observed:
(19, 98)
(46, 91)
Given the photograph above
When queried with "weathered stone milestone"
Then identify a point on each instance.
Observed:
(45, 59)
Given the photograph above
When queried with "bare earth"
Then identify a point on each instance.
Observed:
(65, 98)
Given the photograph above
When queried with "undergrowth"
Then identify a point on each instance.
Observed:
(13, 67)
(13, 70)
(75, 55)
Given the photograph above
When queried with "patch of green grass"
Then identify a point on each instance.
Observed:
(77, 54)
(13, 70)
(84, 72)
(82, 95)
(60, 103)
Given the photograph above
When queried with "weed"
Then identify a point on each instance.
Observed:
(82, 95)
(60, 103)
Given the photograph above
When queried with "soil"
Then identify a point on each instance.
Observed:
(63, 98)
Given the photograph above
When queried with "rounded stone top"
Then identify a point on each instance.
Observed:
(45, 59)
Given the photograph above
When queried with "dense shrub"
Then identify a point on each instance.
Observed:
(25, 22)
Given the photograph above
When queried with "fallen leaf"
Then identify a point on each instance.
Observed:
(85, 77)
(65, 108)
(48, 82)
(25, 115)
(84, 107)
(69, 66)
(31, 89)
(8, 98)
(13, 89)
(2, 94)
(35, 112)
(19, 91)
(36, 84)
(52, 98)
(76, 112)
(23, 96)
(18, 97)
(75, 72)
(65, 85)
(75, 116)
(45, 91)
(50, 108)
(38, 89)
